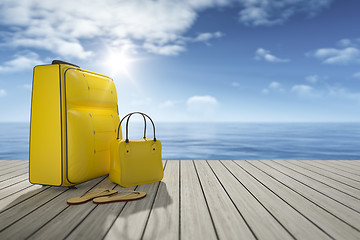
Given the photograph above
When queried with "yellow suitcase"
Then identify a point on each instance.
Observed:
(74, 117)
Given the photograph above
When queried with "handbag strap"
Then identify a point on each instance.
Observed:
(127, 125)
(127, 115)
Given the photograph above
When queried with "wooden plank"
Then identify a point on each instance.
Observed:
(100, 219)
(227, 219)
(163, 222)
(14, 174)
(352, 162)
(344, 169)
(263, 224)
(316, 191)
(320, 187)
(339, 186)
(62, 225)
(13, 168)
(20, 196)
(341, 179)
(14, 188)
(321, 218)
(333, 171)
(96, 224)
(345, 164)
(195, 219)
(4, 163)
(133, 218)
(14, 180)
(293, 220)
(32, 218)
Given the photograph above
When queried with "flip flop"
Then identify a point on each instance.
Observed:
(97, 192)
(128, 196)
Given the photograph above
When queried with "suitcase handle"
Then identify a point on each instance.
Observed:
(62, 62)
(127, 125)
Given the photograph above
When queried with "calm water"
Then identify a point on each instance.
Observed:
(321, 141)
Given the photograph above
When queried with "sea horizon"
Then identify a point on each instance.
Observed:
(225, 140)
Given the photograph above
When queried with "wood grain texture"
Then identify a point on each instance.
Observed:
(263, 224)
(30, 219)
(292, 219)
(349, 182)
(196, 200)
(196, 222)
(353, 192)
(329, 223)
(163, 222)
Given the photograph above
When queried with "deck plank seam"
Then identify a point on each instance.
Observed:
(82, 220)
(338, 167)
(26, 173)
(6, 209)
(207, 204)
(277, 220)
(16, 169)
(291, 162)
(318, 181)
(242, 216)
(351, 164)
(286, 202)
(312, 188)
(33, 210)
(332, 172)
(12, 184)
(117, 216)
(15, 192)
(35, 231)
(14, 165)
(310, 200)
(152, 205)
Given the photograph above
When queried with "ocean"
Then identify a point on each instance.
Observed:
(304, 141)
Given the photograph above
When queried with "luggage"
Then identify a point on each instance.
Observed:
(135, 162)
(74, 117)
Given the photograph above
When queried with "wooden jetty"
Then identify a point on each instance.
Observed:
(213, 199)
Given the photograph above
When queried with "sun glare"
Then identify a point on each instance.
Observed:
(119, 63)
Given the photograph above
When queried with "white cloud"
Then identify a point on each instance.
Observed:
(302, 90)
(340, 92)
(205, 37)
(202, 104)
(158, 27)
(202, 99)
(356, 75)
(269, 12)
(21, 62)
(312, 78)
(338, 56)
(274, 87)
(164, 49)
(263, 54)
(2, 93)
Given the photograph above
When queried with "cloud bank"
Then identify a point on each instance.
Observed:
(72, 28)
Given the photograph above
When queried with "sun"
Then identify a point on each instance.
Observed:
(119, 63)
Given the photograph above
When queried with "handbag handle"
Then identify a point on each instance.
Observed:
(127, 125)
(126, 117)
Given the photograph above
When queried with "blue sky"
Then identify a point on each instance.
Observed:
(195, 60)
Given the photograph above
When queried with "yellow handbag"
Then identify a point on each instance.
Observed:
(135, 162)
